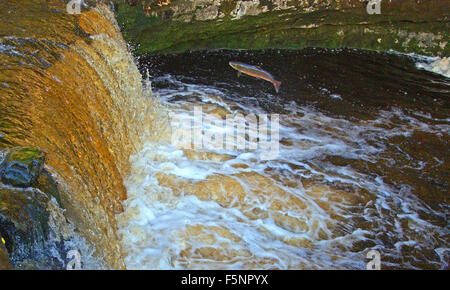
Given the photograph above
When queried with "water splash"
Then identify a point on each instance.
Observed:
(312, 208)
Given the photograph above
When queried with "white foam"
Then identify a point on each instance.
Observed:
(336, 96)
(440, 66)
(155, 220)
(430, 63)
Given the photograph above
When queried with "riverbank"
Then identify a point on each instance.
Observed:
(405, 25)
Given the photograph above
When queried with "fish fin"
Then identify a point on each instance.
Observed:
(277, 84)
(239, 73)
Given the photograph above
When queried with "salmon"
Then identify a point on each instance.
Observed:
(256, 72)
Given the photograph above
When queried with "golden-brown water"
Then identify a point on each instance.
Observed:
(363, 160)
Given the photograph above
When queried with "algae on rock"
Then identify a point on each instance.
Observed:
(403, 25)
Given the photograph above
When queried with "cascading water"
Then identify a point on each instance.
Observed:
(69, 86)
(362, 163)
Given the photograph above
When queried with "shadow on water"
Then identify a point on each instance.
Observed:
(345, 82)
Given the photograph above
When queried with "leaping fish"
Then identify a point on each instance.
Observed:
(256, 72)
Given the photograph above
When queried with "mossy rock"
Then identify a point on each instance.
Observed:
(405, 26)
(21, 166)
(25, 192)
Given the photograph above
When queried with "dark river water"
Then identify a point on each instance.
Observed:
(366, 81)
(363, 165)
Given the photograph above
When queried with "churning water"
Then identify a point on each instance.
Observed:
(363, 165)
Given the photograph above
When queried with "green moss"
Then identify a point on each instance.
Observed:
(279, 29)
(21, 166)
(27, 155)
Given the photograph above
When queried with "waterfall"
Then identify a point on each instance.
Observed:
(69, 87)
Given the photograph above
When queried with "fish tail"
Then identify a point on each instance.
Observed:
(276, 84)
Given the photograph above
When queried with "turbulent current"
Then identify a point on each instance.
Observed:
(362, 164)
(359, 159)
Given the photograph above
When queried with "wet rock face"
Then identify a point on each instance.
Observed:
(188, 10)
(33, 235)
(23, 220)
(244, 8)
(191, 10)
(20, 166)
(29, 196)
(180, 25)
(23, 210)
